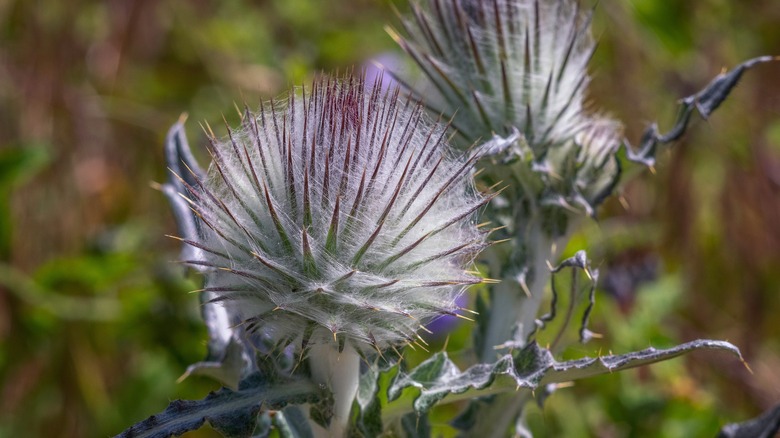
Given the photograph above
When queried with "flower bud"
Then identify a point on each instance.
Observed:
(504, 64)
(341, 216)
(517, 70)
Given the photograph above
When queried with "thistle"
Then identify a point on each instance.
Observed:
(513, 74)
(504, 64)
(338, 224)
(517, 69)
(342, 219)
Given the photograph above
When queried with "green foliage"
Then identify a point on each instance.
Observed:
(233, 413)
(530, 368)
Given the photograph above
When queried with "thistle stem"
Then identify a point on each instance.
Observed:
(510, 305)
(339, 372)
(539, 271)
(514, 305)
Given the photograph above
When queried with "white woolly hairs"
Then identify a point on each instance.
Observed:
(343, 216)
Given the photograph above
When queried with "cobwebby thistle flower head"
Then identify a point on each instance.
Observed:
(504, 64)
(517, 69)
(342, 215)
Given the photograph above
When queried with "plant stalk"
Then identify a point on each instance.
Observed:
(513, 304)
(339, 372)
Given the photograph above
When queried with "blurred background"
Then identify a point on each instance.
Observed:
(96, 324)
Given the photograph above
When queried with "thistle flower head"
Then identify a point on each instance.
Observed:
(504, 64)
(517, 69)
(341, 215)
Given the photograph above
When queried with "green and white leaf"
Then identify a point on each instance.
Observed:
(232, 413)
(531, 368)
(706, 101)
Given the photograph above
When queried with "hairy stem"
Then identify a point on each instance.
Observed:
(514, 304)
(538, 276)
(340, 372)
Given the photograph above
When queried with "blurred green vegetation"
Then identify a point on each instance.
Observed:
(96, 323)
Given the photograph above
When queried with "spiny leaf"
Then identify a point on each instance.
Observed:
(531, 368)
(232, 413)
(180, 161)
(705, 102)
(225, 360)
